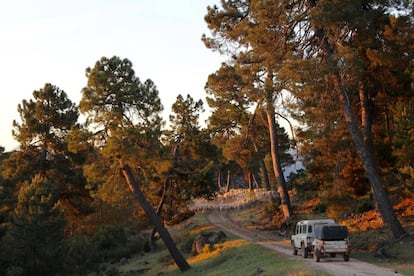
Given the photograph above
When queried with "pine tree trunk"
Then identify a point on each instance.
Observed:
(366, 155)
(228, 181)
(165, 235)
(248, 178)
(277, 168)
(265, 180)
(255, 181)
(262, 166)
(158, 212)
(219, 180)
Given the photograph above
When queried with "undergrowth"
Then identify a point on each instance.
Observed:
(232, 256)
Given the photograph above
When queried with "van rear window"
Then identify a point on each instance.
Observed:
(331, 232)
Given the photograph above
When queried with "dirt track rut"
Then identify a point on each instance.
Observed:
(333, 266)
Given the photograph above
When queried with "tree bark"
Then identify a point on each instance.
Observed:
(219, 180)
(165, 235)
(277, 168)
(248, 177)
(158, 212)
(228, 181)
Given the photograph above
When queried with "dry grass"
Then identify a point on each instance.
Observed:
(233, 256)
(212, 251)
(201, 229)
(370, 240)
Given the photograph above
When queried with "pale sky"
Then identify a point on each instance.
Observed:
(51, 41)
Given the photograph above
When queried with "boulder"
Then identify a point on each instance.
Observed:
(209, 238)
(198, 245)
(217, 237)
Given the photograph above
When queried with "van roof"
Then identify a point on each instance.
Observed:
(317, 221)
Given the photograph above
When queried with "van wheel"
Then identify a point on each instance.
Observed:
(316, 255)
(346, 257)
(305, 251)
(294, 249)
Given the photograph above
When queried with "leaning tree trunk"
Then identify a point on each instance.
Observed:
(363, 146)
(255, 181)
(277, 168)
(366, 155)
(151, 238)
(165, 235)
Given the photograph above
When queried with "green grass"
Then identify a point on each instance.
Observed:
(245, 259)
(232, 257)
(377, 246)
(404, 268)
(238, 257)
(398, 255)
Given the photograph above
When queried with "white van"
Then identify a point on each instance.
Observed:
(305, 235)
(330, 240)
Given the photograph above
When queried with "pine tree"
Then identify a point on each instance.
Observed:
(45, 122)
(123, 120)
(342, 35)
(403, 141)
(35, 241)
(7, 203)
(349, 45)
(194, 154)
(250, 34)
(125, 115)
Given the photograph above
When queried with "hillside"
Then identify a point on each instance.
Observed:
(241, 251)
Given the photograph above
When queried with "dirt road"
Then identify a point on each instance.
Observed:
(334, 266)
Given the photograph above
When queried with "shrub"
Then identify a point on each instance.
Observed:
(82, 256)
(272, 205)
(337, 203)
(364, 206)
(320, 208)
(35, 240)
(107, 241)
(187, 243)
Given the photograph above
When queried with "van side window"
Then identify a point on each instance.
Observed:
(310, 229)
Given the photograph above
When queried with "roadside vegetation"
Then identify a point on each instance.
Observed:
(370, 240)
(232, 256)
(371, 243)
